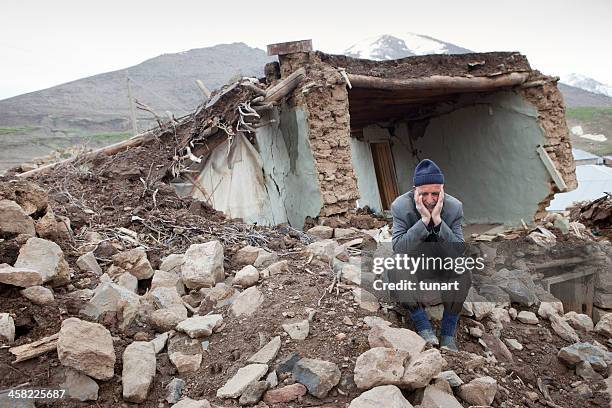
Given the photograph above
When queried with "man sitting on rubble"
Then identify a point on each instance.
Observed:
(427, 222)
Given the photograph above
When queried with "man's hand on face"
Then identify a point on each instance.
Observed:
(418, 202)
(437, 210)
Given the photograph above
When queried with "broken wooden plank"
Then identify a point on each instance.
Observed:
(550, 166)
(34, 349)
(439, 83)
(284, 87)
(289, 47)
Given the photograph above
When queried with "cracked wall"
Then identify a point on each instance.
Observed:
(288, 167)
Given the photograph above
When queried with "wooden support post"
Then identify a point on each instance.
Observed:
(550, 166)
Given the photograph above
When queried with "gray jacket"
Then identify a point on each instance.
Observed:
(408, 229)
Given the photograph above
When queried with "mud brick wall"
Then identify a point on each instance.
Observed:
(551, 115)
(324, 95)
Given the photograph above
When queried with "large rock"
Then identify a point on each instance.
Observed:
(220, 295)
(45, 257)
(87, 347)
(203, 265)
(247, 276)
(604, 325)
(317, 375)
(349, 273)
(602, 300)
(13, 220)
(379, 366)
(88, 263)
(399, 339)
(258, 257)
(7, 328)
(387, 396)
(200, 326)
(22, 277)
(109, 297)
(563, 329)
(167, 319)
(51, 227)
(477, 305)
(241, 380)
(128, 281)
(163, 279)
(79, 386)
(422, 368)
(139, 365)
(479, 391)
(584, 352)
(267, 353)
(135, 262)
(497, 347)
(579, 321)
(247, 302)
(174, 390)
(38, 295)
(285, 394)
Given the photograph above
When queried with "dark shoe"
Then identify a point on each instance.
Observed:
(448, 342)
(429, 336)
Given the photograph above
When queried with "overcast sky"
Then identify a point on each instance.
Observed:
(49, 42)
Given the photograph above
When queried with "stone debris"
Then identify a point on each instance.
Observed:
(7, 328)
(480, 391)
(285, 394)
(109, 297)
(585, 352)
(604, 325)
(318, 376)
(388, 396)
(38, 295)
(247, 302)
(451, 377)
(514, 344)
(527, 317)
(246, 277)
(45, 257)
(434, 397)
(297, 330)
(267, 353)
(190, 403)
(548, 309)
(253, 393)
(563, 329)
(134, 261)
(399, 339)
(323, 250)
(366, 300)
(139, 363)
(172, 263)
(14, 220)
(203, 265)
(88, 263)
(379, 366)
(128, 281)
(79, 386)
(87, 347)
(174, 390)
(321, 232)
(245, 376)
(422, 368)
(255, 256)
(200, 326)
(185, 353)
(164, 279)
(22, 277)
(579, 321)
(167, 319)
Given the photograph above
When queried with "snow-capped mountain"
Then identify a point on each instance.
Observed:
(401, 45)
(588, 84)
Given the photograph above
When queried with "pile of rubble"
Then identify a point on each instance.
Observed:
(108, 314)
(596, 214)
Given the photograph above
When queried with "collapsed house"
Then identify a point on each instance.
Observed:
(351, 132)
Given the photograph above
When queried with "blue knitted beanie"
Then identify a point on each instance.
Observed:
(427, 172)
